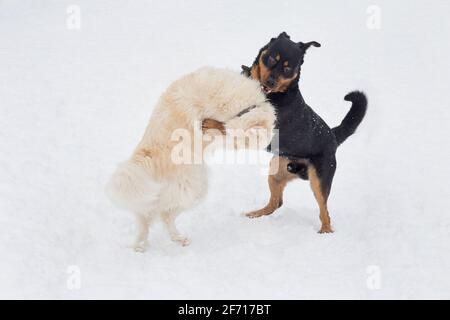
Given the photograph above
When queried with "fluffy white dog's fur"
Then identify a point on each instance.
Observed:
(150, 183)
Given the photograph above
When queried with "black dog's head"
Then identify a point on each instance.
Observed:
(278, 63)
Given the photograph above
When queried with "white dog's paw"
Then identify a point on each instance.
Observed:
(183, 241)
(140, 246)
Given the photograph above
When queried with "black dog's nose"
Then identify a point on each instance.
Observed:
(270, 82)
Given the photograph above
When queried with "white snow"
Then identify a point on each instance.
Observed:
(73, 103)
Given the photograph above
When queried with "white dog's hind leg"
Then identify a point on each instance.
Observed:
(143, 223)
(169, 222)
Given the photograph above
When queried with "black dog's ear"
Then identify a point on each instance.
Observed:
(245, 71)
(283, 35)
(305, 46)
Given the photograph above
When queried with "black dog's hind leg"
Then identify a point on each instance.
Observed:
(321, 172)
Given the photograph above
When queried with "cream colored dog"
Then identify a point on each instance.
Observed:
(151, 184)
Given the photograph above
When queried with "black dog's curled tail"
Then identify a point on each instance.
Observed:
(353, 118)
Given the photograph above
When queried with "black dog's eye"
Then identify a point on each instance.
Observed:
(271, 61)
(287, 70)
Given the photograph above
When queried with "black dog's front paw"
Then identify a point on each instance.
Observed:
(299, 169)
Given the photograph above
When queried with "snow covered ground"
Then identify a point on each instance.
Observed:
(74, 102)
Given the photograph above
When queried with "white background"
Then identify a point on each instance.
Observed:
(73, 103)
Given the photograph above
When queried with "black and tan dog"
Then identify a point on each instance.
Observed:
(305, 146)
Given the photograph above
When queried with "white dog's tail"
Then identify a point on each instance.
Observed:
(132, 188)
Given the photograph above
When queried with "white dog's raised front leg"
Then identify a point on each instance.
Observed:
(143, 224)
(169, 222)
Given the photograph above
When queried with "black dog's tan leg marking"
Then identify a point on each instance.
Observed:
(278, 179)
(321, 200)
(320, 175)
